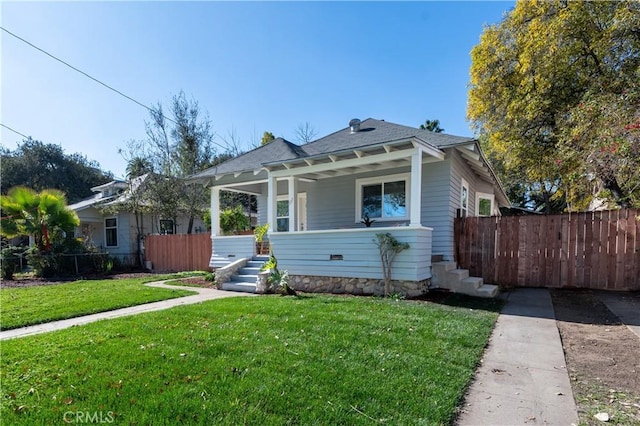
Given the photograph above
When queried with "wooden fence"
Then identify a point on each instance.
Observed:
(178, 252)
(597, 250)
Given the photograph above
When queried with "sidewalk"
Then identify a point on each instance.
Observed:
(624, 306)
(523, 378)
(203, 295)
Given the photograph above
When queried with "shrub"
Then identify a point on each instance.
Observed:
(44, 264)
(234, 220)
(10, 261)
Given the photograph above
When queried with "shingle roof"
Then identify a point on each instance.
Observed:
(276, 150)
(372, 132)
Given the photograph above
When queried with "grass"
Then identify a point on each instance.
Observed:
(20, 307)
(265, 361)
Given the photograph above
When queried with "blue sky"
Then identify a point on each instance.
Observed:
(252, 66)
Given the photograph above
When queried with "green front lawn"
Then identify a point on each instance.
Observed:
(20, 307)
(262, 360)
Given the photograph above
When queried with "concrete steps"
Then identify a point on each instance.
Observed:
(447, 275)
(246, 278)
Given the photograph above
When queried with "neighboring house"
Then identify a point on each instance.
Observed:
(412, 183)
(115, 233)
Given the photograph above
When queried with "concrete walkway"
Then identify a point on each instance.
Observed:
(203, 295)
(523, 379)
(624, 306)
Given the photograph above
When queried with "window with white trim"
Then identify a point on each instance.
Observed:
(464, 198)
(166, 226)
(282, 215)
(383, 198)
(484, 204)
(111, 232)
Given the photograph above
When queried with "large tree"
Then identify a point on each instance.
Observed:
(555, 92)
(40, 166)
(177, 146)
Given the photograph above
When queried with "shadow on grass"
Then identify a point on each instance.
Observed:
(462, 301)
(434, 296)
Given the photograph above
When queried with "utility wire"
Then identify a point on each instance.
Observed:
(14, 131)
(153, 111)
(81, 72)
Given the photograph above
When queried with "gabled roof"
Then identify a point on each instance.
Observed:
(101, 197)
(372, 133)
(375, 132)
(277, 150)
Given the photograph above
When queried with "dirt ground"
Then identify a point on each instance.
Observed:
(32, 281)
(603, 357)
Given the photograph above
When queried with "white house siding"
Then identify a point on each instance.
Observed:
(437, 211)
(309, 253)
(331, 203)
(234, 247)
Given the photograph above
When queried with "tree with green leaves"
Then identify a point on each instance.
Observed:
(40, 166)
(267, 137)
(42, 215)
(178, 145)
(389, 248)
(138, 166)
(555, 92)
(432, 126)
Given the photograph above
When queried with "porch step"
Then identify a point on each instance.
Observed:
(472, 282)
(250, 270)
(485, 290)
(447, 275)
(247, 277)
(243, 287)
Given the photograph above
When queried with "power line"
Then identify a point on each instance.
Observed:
(81, 72)
(14, 131)
(153, 111)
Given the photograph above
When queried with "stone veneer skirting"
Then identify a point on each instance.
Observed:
(359, 286)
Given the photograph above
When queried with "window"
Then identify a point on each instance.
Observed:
(166, 226)
(382, 198)
(111, 232)
(464, 198)
(484, 204)
(282, 215)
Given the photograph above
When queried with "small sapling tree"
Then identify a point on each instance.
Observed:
(389, 248)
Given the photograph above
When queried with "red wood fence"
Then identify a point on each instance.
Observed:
(597, 250)
(178, 252)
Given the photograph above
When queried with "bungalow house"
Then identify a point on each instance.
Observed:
(114, 230)
(318, 197)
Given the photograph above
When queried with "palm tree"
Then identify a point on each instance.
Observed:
(43, 215)
(432, 126)
(138, 166)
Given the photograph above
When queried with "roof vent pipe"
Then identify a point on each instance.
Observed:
(355, 125)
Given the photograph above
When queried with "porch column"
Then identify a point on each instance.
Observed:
(272, 203)
(416, 188)
(215, 211)
(292, 193)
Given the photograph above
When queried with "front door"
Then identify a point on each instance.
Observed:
(302, 211)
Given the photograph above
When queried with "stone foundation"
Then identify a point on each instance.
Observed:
(358, 286)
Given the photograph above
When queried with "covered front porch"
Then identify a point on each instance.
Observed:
(316, 208)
